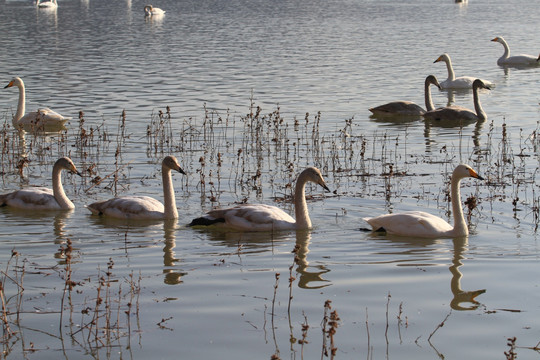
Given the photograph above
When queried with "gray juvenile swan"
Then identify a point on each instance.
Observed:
(408, 108)
(143, 207)
(456, 113)
(261, 217)
(41, 198)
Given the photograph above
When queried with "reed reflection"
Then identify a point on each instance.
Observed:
(308, 279)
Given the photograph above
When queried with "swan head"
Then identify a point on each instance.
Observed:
(464, 171)
(498, 39)
(431, 79)
(16, 81)
(148, 9)
(170, 162)
(444, 57)
(479, 84)
(66, 164)
(314, 175)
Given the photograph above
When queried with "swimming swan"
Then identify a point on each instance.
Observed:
(40, 198)
(50, 4)
(456, 113)
(42, 118)
(407, 107)
(506, 59)
(149, 10)
(422, 224)
(143, 207)
(453, 82)
(261, 217)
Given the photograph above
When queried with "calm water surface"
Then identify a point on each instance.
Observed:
(313, 69)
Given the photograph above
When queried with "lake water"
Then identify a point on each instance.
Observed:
(258, 90)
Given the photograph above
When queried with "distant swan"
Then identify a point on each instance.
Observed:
(422, 224)
(47, 4)
(457, 113)
(149, 10)
(42, 118)
(143, 207)
(506, 59)
(260, 217)
(453, 82)
(40, 198)
(408, 108)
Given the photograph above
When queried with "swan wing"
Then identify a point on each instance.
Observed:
(411, 223)
(129, 207)
(258, 217)
(398, 108)
(38, 198)
(462, 82)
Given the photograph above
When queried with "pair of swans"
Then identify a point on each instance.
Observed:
(43, 118)
(517, 60)
(408, 108)
(149, 10)
(455, 113)
(453, 82)
(259, 217)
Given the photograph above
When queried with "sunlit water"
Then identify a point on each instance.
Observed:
(201, 295)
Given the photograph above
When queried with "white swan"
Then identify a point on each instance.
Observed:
(41, 119)
(453, 82)
(408, 108)
(422, 224)
(506, 59)
(50, 4)
(456, 113)
(260, 217)
(40, 198)
(143, 207)
(149, 10)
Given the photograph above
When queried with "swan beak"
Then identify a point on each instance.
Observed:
(475, 175)
(438, 59)
(9, 85)
(325, 187)
(181, 171)
(496, 39)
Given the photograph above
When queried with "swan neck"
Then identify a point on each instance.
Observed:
(506, 54)
(480, 113)
(21, 104)
(460, 226)
(427, 96)
(58, 189)
(300, 206)
(451, 75)
(169, 200)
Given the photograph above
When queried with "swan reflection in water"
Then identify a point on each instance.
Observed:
(172, 275)
(461, 296)
(307, 278)
(419, 250)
